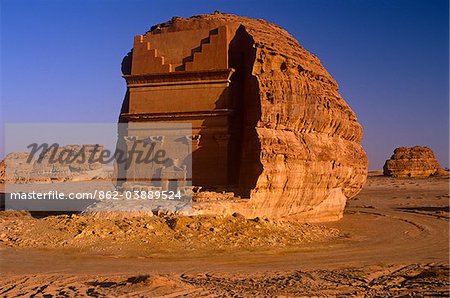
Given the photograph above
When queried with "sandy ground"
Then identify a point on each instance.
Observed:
(393, 241)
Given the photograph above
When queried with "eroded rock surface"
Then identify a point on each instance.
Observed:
(301, 153)
(2, 170)
(415, 161)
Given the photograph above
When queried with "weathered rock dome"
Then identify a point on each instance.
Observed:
(415, 161)
(299, 148)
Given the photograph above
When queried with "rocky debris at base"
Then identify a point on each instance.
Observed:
(208, 196)
(178, 234)
(415, 161)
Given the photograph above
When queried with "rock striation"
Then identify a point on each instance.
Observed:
(415, 161)
(297, 149)
(2, 171)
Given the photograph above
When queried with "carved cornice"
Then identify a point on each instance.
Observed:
(176, 115)
(218, 76)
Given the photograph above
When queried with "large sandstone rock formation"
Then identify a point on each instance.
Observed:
(300, 152)
(411, 162)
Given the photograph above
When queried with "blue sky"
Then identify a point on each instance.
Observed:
(60, 60)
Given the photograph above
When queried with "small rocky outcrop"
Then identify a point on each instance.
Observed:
(415, 161)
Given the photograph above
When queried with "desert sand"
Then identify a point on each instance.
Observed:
(393, 240)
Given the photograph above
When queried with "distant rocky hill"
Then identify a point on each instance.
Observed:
(16, 167)
(415, 161)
